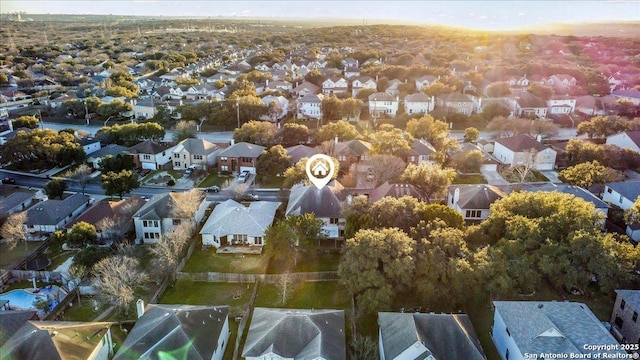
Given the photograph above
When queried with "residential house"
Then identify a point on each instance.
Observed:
(456, 102)
(488, 163)
(232, 223)
(381, 103)
(549, 327)
(304, 89)
(110, 150)
(561, 82)
(351, 72)
(194, 153)
(351, 152)
(473, 202)
(15, 202)
(350, 62)
(144, 108)
(310, 107)
(51, 215)
(89, 144)
(396, 191)
(298, 152)
(54, 340)
(362, 82)
(279, 85)
(601, 206)
(120, 212)
(628, 94)
(275, 112)
(239, 157)
(323, 203)
(296, 334)
(413, 336)
(626, 140)
(156, 216)
(525, 104)
(624, 317)
(418, 103)
(151, 155)
(425, 81)
(561, 105)
(334, 85)
(622, 194)
(187, 331)
(421, 152)
(590, 105)
(523, 149)
(12, 320)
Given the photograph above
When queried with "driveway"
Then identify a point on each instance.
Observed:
(551, 175)
(493, 178)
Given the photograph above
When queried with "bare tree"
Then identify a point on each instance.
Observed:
(80, 175)
(385, 168)
(185, 204)
(166, 252)
(112, 228)
(286, 285)
(239, 189)
(117, 278)
(529, 162)
(363, 348)
(77, 274)
(12, 231)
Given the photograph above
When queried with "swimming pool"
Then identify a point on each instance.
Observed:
(22, 299)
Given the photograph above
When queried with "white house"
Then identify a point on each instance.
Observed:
(362, 82)
(281, 104)
(626, 140)
(473, 202)
(334, 85)
(523, 149)
(151, 155)
(523, 328)
(382, 103)
(559, 105)
(310, 106)
(622, 194)
(418, 103)
(232, 223)
(425, 81)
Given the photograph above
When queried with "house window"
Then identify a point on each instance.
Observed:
(176, 163)
(342, 158)
(609, 190)
(506, 355)
(257, 240)
(145, 223)
(246, 159)
(146, 157)
(177, 221)
(473, 213)
(620, 203)
(634, 318)
(223, 158)
(619, 321)
(622, 304)
(176, 156)
(197, 157)
(333, 220)
(224, 168)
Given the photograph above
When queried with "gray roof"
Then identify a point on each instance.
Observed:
(194, 330)
(417, 97)
(242, 149)
(51, 212)
(477, 196)
(297, 334)
(158, 207)
(521, 143)
(111, 149)
(631, 297)
(634, 136)
(554, 327)
(352, 148)
(55, 340)
(12, 321)
(231, 217)
(148, 147)
(298, 152)
(444, 336)
(396, 191)
(563, 188)
(421, 147)
(309, 199)
(381, 96)
(628, 189)
(14, 200)
(196, 146)
(455, 97)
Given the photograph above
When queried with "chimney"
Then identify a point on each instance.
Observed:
(456, 196)
(335, 140)
(140, 308)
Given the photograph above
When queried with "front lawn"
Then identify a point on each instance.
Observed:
(215, 179)
(209, 261)
(469, 179)
(270, 182)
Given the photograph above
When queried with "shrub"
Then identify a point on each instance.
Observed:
(171, 182)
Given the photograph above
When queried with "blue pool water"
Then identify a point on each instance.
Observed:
(21, 298)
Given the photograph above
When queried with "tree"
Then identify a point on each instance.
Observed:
(602, 126)
(436, 132)
(363, 347)
(131, 134)
(274, 161)
(432, 179)
(89, 256)
(119, 183)
(12, 230)
(82, 234)
(632, 214)
(391, 141)
(81, 175)
(495, 109)
(293, 134)
(331, 108)
(55, 188)
(584, 174)
(357, 215)
(343, 130)
(471, 134)
(41, 149)
(626, 107)
(115, 163)
(351, 108)
(184, 205)
(404, 213)
(437, 88)
(184, 130)
(375, 266)
(385, 168)
(298, 173)
(296, 234)
(467, 161)
(117, 278)
(543, 92)
(274, 110)
(167, 251)
(498, 89)
(255, 132)
(26, 121)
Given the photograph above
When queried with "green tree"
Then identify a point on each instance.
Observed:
(437, 88)
(375, 266)
(55, 188)
(274, 161)
(467, 161)
(495, 109)
(471, 134)
(543, 92)
(116, 163)
(432, 179)
(298, 173)
(82, 234)
(343, 130)
(439, 212)
(436, 132)
(331, 108)
(390, 141)
(295, 234)
(184, 130)
(131, 134)
(498, 89)
(404, 213)
(90, 255)
(41, 149)
(584, 174)
(293, 134)
(256, 132)
(357, 214)
(632, 214)
(119, 183)
(26, 121)
(602, 126)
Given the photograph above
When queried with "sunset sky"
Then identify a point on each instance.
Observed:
(487, 15)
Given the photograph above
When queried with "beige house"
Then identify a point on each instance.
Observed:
(194, 152)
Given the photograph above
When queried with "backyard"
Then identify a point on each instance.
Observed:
(469, 179)
(209, 261)
(11, 256)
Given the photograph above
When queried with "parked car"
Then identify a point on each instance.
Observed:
(249, 197)
(8, 180)
(213, 188)
(243, 177)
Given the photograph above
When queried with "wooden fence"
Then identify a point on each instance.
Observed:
(252, 278)
(9, 276)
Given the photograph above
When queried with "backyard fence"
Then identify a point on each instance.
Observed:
(215, 277)
(244, 321)
(8, 277)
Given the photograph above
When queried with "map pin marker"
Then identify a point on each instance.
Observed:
(320, 169)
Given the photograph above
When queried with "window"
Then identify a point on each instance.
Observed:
(246, 159)
(145, 223)
(176, 163)
(508, 332)
(257, 240)
(620, 203)
(146, 157)
(176, 156)
(619, 321)
(177, 221)
(506, 355)
(223, 158)
(333, 220)
(163, 153)
(197, 157)
(634, 318)
(224, 168)
(622, 304)
(609, 190)
(473, 213)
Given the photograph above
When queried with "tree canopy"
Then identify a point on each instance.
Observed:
(119, 183)
(274, 161)
(343, 130)
(131, 134)
(432, 179)
(256, 132)
(41, 150)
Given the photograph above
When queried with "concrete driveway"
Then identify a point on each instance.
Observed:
(551, 175)
(493, 178)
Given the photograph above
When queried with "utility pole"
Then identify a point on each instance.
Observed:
(238, 111)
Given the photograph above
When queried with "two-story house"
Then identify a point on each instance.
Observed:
(304, 89)
(626, 140)
(561, 105)
(625, 325)
(197, 153)
(418, 103)
(151, 155)
(425, 81)
(352, 151)
(334, 85)
(277, 107)
(473, 201)
(362, 82)
(310, 106)
(239, 157)
(524, 150)
(421, 152)
(324, 203)
(456, 102)
(381, 103)
(525, 104)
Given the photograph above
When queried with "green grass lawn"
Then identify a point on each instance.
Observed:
(306, 295)
(177, 174)
(60, 258)
(12, 256)
(215, 179)
(85, 310)
(469, 179)
(271, 182)
(322, 261)
(203, 293)
(209, 261)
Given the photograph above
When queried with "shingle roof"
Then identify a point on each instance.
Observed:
(527, 100)
(633, 136)
(111, 149)
(297, 334)
(12, 321)
(231, 217)
(311, 98)
(196, 147)
(628, 189)
(418, 97)
(13, 200)
(105, 209)
(455, 97)
(394, 190)
(554, 327)
(307, 86)
(521, 143)
(381, 96)
(165, 328)
(309, 199)
(298, 152)
(631, 297)
(44, 340)
(352, 148)
(477, 196)
(158, 207)
(444, 336)
(51, 212)
(242, 149)
(148, 147)
(421, 147)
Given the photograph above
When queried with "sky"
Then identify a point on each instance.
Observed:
(483, 15)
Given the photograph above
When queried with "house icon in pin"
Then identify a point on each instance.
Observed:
(320, 169)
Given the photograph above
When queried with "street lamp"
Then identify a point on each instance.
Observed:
(86, 111)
